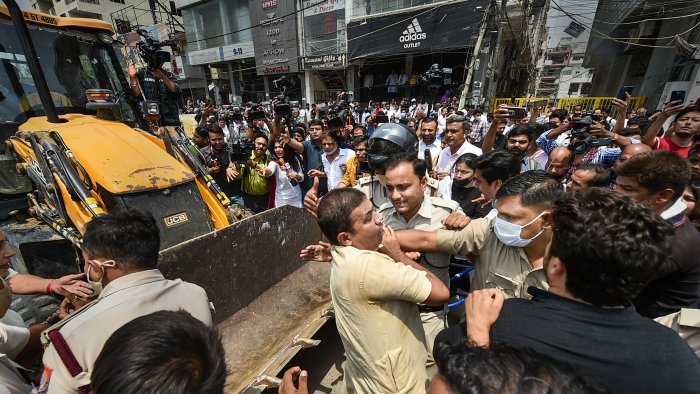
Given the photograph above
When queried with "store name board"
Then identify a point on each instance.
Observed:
(317, 7)
(274, 37)
(221, 53)
(441, 27)
(325, 62)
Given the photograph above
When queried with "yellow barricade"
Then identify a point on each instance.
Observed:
(568, 103)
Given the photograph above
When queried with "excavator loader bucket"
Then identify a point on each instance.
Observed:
(268, 302)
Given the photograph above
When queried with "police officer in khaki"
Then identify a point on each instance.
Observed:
(389, 139)
(410, 208)
(121, 255)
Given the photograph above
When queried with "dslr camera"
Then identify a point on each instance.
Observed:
(583, 140)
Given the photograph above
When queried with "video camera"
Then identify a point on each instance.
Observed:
(435, 76)
(150, 50)
(584, 140)
(241, 149)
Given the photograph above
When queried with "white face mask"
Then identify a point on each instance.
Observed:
(509, 233)
(97, 285)
(5, 297)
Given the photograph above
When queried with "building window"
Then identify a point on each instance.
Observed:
(573, 88)
(117, 1)
(371, 7)
(586, 88)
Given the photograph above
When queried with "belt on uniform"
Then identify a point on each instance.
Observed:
(427, 308)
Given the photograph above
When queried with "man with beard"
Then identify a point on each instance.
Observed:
(559, 162)
(657, 179)
(456, 130)
(604, 249)
(519, 141)
(686, 126)
(217, 158)
(256, 187)
(311, 151)
(428, 140)
(358, 166)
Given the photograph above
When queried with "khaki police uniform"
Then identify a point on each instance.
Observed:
(499, 266)
(372, 187)
(13, 338)
(122, 300)
(377, 318)
(429, 217)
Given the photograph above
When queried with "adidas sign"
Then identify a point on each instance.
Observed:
(412, 35)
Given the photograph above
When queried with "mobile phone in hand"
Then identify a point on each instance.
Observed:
(677, 95)
(625, 89)
(516, 112)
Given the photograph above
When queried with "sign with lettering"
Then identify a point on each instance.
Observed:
(274, 36)
(317, 7)
(447, 25)
(323, 62)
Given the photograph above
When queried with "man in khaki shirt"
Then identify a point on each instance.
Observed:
(410, 208)
(510, 247)
(375, 297)
(121, 254)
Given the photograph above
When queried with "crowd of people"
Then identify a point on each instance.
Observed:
(579, 228)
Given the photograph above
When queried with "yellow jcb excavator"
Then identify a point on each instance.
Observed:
(76, 148)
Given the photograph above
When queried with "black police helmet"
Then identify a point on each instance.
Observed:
(399, 135)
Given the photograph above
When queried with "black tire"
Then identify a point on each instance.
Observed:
(34, 309)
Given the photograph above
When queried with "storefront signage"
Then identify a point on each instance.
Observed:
(324, 62)
(446, 26)
(275, 36)
(222, 53)
(317, 7)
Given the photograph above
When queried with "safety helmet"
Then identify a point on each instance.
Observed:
(397, 133)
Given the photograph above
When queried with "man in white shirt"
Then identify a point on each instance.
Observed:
(442, 120)
(334, 160)
(391, 83)
(428, 134)
(455, 136)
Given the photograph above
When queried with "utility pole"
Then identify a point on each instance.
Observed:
(497, 49)
(477, 48)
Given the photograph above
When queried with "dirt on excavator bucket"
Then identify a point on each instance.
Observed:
(268, 302)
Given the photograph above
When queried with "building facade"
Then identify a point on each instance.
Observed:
(635, 45)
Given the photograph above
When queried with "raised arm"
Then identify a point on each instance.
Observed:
(499, 115)
(670, 109)
(621, 107)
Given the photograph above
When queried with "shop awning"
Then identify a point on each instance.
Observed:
(443, 26)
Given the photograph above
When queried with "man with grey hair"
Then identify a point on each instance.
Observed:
(456, 130)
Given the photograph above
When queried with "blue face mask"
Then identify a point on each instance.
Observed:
(509, 233)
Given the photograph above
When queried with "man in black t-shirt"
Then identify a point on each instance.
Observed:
(604, 249)
(217, 158)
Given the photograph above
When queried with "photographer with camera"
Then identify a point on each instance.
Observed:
(588, 137)
(154, 83)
